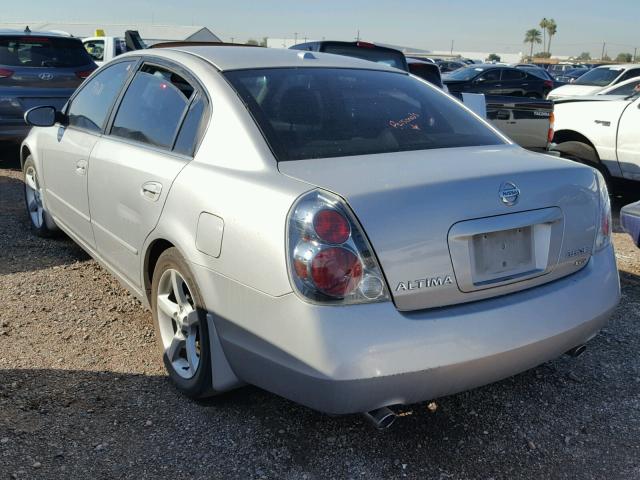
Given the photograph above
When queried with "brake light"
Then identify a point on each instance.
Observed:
(5, 73)
(548, 83)
(331, 226)
(365, 45)
(35, 40)
(550, 133)
(603, 237)
(82, 74)
(329, 257)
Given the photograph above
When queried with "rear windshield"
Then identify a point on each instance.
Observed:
(373, 54)
(600, 77)
(321, 112)
(35, 51)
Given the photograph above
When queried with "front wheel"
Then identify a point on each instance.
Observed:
(41, 222)
(181, 325)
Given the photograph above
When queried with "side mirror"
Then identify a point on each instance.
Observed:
(43, 116)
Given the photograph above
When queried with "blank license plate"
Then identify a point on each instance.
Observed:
(503, 254)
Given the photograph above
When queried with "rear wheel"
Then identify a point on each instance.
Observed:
(581, 152)
(41, 222)
(181, 325)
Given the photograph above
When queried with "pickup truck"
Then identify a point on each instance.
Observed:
(102, 49)
(527, 121)
(601, 133)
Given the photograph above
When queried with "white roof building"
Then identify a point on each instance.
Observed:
(150, 33)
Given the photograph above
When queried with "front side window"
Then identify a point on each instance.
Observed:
(634, 72)
(626, 89)
(466, 73)
(90, 107)
(153, 106)
(490, 76)
(323, 112)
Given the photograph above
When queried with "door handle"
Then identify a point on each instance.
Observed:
(151, 190)
(81, 167)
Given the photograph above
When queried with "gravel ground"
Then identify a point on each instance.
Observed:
(83, 394)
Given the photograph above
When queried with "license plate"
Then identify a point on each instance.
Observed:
(503, 254)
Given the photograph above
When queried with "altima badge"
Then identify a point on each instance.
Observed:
(424, 283)
(509, 193)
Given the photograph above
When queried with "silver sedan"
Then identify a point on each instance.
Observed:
(332, 230)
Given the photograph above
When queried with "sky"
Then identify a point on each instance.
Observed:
(488, 25)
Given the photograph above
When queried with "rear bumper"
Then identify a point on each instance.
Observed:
(352, 359)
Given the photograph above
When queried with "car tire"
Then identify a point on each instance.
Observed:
(42, 224)
(180, 322)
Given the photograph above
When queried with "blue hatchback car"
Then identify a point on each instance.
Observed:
(37, 68)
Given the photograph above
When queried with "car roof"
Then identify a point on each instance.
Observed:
(241, 58)
(620, 65)
(22, 33)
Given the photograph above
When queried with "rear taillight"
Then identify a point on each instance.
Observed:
(329, 257)
(5, 73)
(551, 132)
(603, 237)
(548, 84)
(365, 45)
(84, 73)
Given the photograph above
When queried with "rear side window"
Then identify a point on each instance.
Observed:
(512, 75)
(90, 107)
(33, 51)
(153, 107)
(191, 127)
(321, 112)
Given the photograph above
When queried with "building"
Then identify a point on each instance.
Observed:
(150, 33)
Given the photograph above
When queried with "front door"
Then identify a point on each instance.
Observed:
(66, 162)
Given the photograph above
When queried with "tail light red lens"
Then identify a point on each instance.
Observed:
(548, 83)
(365, 45)
(5, 73)
(551, 131)
(329, 257)
(331, 226)
(336, 271)
(84, 73)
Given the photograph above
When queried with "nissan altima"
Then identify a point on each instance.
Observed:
(333, 230)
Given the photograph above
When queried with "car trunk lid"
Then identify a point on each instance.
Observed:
(446, 226)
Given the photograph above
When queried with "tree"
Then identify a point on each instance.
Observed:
(552, 29)
(544, 23)
(251, 41)
(584, 56)
(624, 58)
(542, 55)
(263, 43)
(532, 36)
(493, 57)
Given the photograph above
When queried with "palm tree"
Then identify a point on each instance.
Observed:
(532, 36)
(552, 28)
(544, 23)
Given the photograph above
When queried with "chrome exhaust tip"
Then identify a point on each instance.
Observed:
(381, 418)
(576, 351)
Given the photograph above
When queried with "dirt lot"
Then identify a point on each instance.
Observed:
(83, 395)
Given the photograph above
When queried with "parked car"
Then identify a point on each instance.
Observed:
(603, 134)
(104, 48)
(37, 68)
(570, 76)
(425, 70)
(619, 91)
(363, 50)
(332, 230)
(447, 66)
(560, 68)
(596, 79)
(497, 80)
(630, 221)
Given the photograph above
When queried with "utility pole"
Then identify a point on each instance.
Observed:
(635, 49)
(295, 37)
(232, 39)
(358, 36)
(451, 47)
(604, 44)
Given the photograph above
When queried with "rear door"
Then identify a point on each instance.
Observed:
(152, 136)
(514, 82)
(65, 153)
